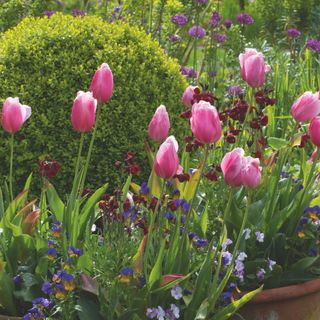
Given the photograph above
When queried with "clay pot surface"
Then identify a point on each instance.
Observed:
(296, 302)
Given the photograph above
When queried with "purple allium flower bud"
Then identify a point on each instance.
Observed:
(215, 19)
(237, 91)
(201, 1)
(49, 13)
(179, 19)
(188, 72)
(244, 18)
(78, 13)
(219, 37)
(228, 23)
(293, 33)
(313, 45)
(212, 73)
(117, 9)
(197, 32)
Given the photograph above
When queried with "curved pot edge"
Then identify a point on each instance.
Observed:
(286, 293)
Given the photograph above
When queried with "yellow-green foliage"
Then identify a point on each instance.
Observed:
(46, 61)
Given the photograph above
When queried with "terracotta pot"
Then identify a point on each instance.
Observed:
(296, 302)
(9, 318)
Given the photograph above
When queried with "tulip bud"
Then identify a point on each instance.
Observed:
(314, 154)
(102, 84)
(253, 67)
(14, 114)
(159, 125)
(187, 97)
(306, 107)
(232, 165)
(251, 173)
(83, 113)
(166, 163)
(205, 122)
(314, 131)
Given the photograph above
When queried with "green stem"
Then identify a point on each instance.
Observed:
(90, 149)
(251, 101)
(76, 172)
(216, 294)
(150, 16)
(11, 167)
(206, 154)
(152, 218)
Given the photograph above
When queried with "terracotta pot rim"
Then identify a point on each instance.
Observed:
(286, 293)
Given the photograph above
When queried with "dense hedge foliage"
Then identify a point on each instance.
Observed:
(12, 11)
(46, 61)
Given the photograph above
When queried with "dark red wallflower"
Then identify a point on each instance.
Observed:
(211, 175)
(48, 168)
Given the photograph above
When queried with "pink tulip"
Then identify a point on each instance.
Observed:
(102, 84)
(83, 113)
(253, 67)
(314, 131)
(314, 154)
(232, 166)
(306, 107)
(205, 122)
(159, 125)
(14, 114)
(187, 97)
(251, 173)
(166, 163)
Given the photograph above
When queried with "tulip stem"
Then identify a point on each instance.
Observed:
(90, 149)
(11, 167)
(206, 154)
(79, 155)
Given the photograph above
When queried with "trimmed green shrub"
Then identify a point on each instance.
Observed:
(13, 11)
(46, 61)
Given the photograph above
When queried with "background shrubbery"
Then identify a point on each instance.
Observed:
(46, 61)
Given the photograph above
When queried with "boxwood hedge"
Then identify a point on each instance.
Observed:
(45, 61)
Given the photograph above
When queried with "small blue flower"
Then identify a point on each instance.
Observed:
(247, 233)
(144, 188)
(259, 236)
(260, 274)
(47, 288)
(226, 258)
(271, 263)
(17, 280)
(226, 297)
(176, 292)
(169, 215)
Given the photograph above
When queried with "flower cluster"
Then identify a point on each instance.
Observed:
(313, 45)
(171, 313)
(293, 33)
(39, 306)
(197, 32)
(179, 19)
(244, 18)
